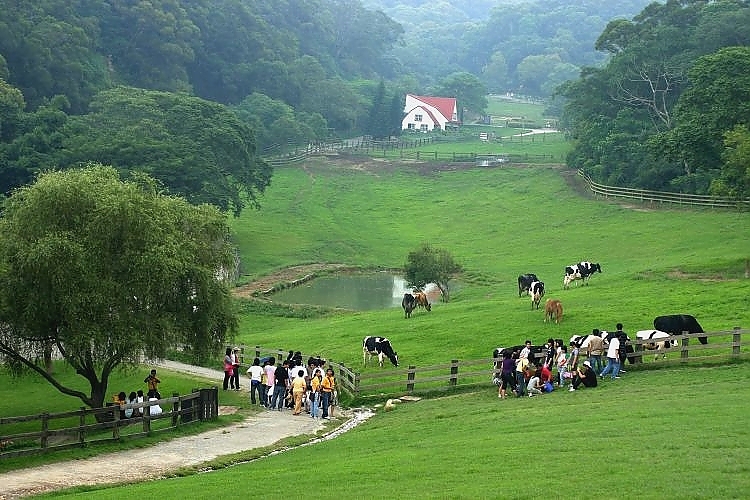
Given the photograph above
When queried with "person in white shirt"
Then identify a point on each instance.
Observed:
(613, 359)
(256, 373)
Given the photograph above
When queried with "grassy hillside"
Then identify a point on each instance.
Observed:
(673, 433)
(497, 223)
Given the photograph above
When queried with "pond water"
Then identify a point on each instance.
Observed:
(360, 292)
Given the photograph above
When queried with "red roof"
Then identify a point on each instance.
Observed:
(446, 105)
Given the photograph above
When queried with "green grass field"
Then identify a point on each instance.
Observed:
(676, 433)
(629, 437)
(497, 223)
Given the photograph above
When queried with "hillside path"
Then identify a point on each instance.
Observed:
(257, 431)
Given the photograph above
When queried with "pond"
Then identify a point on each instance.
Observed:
(360, 292)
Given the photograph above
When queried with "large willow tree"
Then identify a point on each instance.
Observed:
(101, 272)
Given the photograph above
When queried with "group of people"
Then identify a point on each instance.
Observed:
(520, 374)
(124, 401)
(291, 384)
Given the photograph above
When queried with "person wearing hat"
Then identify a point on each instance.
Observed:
(584, 375)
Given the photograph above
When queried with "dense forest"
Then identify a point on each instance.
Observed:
(671, 108)
(196, 92)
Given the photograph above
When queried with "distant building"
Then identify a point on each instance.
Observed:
(425, 113)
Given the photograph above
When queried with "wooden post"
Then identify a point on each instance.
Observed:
(257, 353)
(454, 372)
(147, 419)
(45, 430)
(175, 409)
(736, 341)
(410, 378)
(116, 428)
(82, 426)
(683, 347)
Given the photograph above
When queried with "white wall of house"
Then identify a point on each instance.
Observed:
(419, 119)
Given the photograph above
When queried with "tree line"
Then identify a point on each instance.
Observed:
(671, 108)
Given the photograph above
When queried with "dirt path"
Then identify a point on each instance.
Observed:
(258, 431)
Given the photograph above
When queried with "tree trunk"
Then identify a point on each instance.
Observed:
(48, 357)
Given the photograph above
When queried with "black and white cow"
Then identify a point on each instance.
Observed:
(659, 342)
(409, 303)
(380, 347)
(581, 271)
(525, 281)
(678, 323)
(583, 340)
(536, 291)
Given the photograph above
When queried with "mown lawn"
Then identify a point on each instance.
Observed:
(671, 433)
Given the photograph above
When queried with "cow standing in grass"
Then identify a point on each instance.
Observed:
(536, 290)
(380, 347)
(409, 303)
(525, 281)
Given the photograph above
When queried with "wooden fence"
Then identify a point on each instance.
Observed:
(102, 424)
(479, 372)
(644, 195)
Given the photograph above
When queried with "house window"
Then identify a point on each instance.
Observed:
(423, 127)
(417, 118)
(411, 126)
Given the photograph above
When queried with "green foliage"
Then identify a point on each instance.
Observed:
(734, 180)
(654, 117)
(106, 272)
(198, 149)
(428, 264)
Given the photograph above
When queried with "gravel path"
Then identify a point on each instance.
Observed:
(256, 431)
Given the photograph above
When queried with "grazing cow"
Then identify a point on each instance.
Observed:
(421, 299)
(536, 290)
(678, 323)
(409, 303)
(581, 271)
(553, 310)
(659, 342)
(525, 281)
(380, 347)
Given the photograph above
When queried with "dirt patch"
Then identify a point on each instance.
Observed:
(287, 275)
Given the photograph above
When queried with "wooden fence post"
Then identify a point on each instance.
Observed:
(45, 429)
(410, 378)
(116, 428)
(147, 419)
(82, 426)
(454, 372)
(736, 341)
(257, 351)
(684, 344)
(175, 409)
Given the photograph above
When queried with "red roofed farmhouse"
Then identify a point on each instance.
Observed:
(429, 113)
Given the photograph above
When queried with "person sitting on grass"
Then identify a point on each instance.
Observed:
(584, 375)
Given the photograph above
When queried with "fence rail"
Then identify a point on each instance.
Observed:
(645, 195)
(478, 372)
(102, 424)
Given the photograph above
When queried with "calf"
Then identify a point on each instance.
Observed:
(553, 310)
(380, 347)
(421, 300)
(536, 291)
(409, 303)
(525, 281)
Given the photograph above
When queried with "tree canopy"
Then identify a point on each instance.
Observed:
(102, 272)
(656, 116)
(198, 149)
(428, 264)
